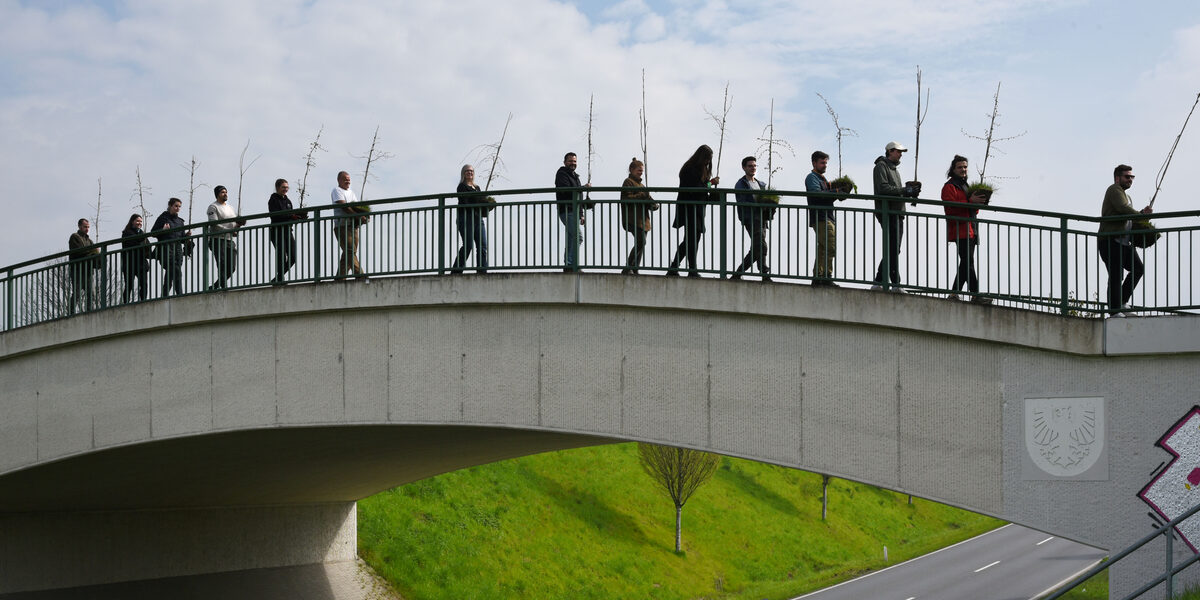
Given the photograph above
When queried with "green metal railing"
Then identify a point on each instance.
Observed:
(1167, 531)
(1030, 259)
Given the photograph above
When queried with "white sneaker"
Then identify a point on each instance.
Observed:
(877, 287)
(896, 290)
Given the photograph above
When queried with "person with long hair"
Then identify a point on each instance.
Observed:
(692, 208)
(635, 214)
(135, 259)
(962, 229)
(469, 221)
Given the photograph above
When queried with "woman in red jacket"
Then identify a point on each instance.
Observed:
(962, 229)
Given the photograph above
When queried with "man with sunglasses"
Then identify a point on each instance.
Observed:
(1116, 249)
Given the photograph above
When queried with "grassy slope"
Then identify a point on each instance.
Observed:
(589, 523)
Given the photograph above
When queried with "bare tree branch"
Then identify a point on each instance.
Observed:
(310, 161)
(242, 168)
(192, 185)
(642, 130)
(841, 131)
(373, 155)
(920, 120)
(991, 148)
(769, 144)
(96, 222)
(720, 119)
(1162, 172)
(140, 191)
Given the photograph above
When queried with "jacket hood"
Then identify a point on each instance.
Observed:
(884, 159)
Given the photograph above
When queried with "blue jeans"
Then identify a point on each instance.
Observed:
(570, 219)
(473, 233)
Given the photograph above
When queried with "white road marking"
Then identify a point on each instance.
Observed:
(987, 566)
(1044, 541)
(1005, 526)
(911, 598)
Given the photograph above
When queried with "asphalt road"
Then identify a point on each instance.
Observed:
(1009, 563)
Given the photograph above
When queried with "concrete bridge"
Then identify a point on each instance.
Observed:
(200, 436)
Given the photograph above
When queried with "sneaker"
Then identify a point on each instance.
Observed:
(877, 287)
(736, 276)
(767, 279)
(672, 273)
(952, 297)
(981, 300)
(693, 274)
(896, 290)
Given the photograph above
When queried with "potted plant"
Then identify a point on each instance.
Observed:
(984, 190)
(844, 185)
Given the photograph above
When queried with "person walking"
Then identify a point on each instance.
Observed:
(469, 222)
(692, 207)
(636, 207)
(1115, 247)
(962, 229)
(135, 259)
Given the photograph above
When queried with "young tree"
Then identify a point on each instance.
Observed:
(920, 121)
(490, 153)
(310, 161)
(192, 185)
(1162, 171)
(642, 133)
(242, 168)
(769, 145)
(96, 220)
(990, 139)
(720, 119)
(373, 155)
(680, 472)
(841, 131)
(140, 191)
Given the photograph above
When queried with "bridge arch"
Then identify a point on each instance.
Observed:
(317, 395)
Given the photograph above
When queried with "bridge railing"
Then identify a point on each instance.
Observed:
(1035, 260)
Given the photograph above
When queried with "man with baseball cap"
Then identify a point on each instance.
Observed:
(888, 183)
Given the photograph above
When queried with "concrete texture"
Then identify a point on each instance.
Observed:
(330, 392)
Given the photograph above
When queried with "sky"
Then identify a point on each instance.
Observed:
(94, 93)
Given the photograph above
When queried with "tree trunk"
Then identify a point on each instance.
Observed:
(824, 495)
(678, 527)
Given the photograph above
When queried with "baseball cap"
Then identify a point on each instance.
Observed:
(895, 146)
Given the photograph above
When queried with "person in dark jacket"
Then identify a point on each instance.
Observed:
(692, 208)
(755, 215)
(570, 213)
(84, 258)
(636, 207)
(282, 237)
(135, 259)
(1113, 243)
(961, 228)
(469, 222)
(888, 183)
(822, 218)
(173, 244)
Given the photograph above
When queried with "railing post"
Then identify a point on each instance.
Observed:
(316, 221)
(724, 232)
(103, 276)
(1170, 549)
(1065, 305)
(441, 236)
(573, 228)
(204, 252)
(885, 272)
(8, 292)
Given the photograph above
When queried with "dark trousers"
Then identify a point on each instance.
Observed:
(285, 250)
(225, 254)
(134, 272)
(689, 248)
(171, 258)
(758, 247)
(474, 235)
(895, 232)
(1119, 258)
(966, 265)
(639, 249)
(80, 274)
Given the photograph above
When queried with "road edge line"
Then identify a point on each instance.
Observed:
(1055, 587)
(902, 563)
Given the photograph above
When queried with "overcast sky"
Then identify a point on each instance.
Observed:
(98, 90)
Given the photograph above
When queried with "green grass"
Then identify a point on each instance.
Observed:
(588, 523)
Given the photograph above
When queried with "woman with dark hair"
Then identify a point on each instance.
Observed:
(692, 207)
(962, 229)
(471, 228)
(635, 214)
(135, 258)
